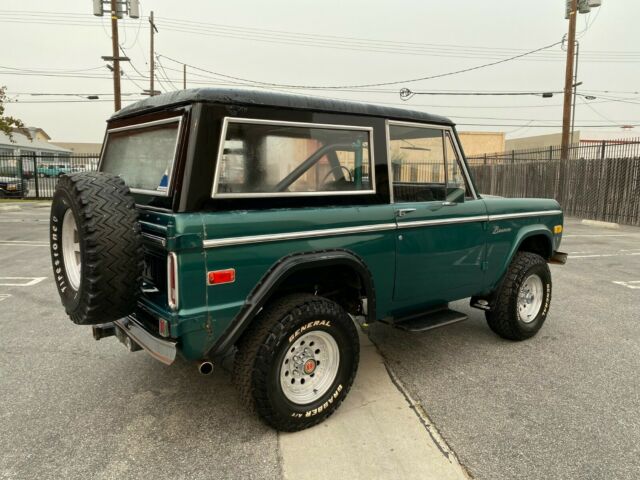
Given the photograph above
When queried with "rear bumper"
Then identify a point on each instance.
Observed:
(161, 349)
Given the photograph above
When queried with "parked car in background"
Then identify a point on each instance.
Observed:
(56, 170)
(13, 187)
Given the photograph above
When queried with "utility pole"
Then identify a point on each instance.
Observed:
(153, 30)
(116, 8)
(184, 76)
(576, 84)
(115, 45)
(568, 80)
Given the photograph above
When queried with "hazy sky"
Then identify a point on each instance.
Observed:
(343, 43)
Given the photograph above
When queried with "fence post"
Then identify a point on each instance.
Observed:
(21, 175)
(35, 175)
(485, 158)
(513, 156)
(550, 152)
(603, 149)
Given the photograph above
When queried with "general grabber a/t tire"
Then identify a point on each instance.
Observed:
(522, 303)
(96, 247)
(297, 362)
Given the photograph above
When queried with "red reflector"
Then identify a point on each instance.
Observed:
(222, 276)
(163, 327)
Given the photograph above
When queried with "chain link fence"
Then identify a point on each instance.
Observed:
(599, 180)
(29, 176)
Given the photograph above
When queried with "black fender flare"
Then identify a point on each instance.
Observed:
(277, 274)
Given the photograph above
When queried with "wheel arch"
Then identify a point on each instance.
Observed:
(533, 238)
(283, 274)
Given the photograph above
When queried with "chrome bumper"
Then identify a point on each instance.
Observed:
(162, 350)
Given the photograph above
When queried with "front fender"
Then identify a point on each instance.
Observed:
(522, 234)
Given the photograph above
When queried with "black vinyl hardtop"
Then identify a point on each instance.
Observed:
(258, 97)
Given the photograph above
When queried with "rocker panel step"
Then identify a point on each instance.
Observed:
(430, 320)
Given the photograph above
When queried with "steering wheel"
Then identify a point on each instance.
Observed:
(341, 167)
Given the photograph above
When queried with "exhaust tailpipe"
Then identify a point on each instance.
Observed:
(205, 367)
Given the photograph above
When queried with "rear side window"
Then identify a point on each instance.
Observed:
(143, 155)
(264, 158)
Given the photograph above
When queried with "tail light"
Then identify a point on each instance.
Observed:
(172, 280)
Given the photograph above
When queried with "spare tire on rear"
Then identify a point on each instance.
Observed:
(96, 247)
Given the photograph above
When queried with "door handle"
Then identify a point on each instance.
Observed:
(448, 204)
(401, 212)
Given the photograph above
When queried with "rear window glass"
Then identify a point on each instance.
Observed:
(281, 159)
(143, 155)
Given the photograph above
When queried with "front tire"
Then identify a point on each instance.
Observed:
(297, 362)
(522, 303)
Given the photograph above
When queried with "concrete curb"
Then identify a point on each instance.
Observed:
(601, 224)
(4, 208)
(378, 433)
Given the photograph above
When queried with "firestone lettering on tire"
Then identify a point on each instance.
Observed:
(316, 323)
(55, 247)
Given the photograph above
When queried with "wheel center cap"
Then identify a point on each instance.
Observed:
(309, 366)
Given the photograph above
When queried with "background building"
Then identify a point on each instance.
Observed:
(479, 143)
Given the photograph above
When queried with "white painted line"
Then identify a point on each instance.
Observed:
(596, 235)
(599, 223)
(633, 284)
(621, 250)
(36, 241)
(22, 244)
(30, 283)
(606, 255)
(4, 296)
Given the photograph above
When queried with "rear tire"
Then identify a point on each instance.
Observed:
(96, 247)
(522, 303)
(298, 339)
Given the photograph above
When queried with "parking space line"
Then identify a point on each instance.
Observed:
(22, 244)
(10, 281)
(606, 255)
(4, 296)
(596, 235)
(633, 284)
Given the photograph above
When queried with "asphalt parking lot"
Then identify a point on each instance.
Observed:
(565, 404)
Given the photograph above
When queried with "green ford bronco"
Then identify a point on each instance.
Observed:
(269, 225)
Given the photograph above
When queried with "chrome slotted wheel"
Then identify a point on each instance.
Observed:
(309, 367)
(71, 249)
(530, 298)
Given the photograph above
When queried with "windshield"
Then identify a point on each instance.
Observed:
(143, 155)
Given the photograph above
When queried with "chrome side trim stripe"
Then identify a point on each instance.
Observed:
(327, 232)
(443, 221)
(506, 216)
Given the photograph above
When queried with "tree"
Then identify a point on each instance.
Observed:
(7, 124)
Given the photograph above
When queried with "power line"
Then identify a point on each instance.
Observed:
(320, 40)
(379, 84)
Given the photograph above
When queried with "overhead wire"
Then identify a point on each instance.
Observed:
(377, 84)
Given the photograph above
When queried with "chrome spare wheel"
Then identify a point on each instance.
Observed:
(71, 249)
(530, 298)
(310, 367)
